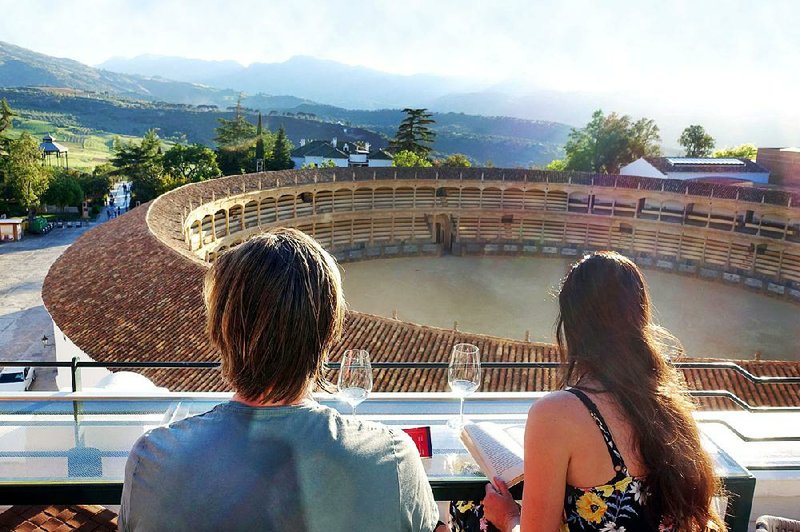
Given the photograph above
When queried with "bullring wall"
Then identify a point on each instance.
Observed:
(739, 235)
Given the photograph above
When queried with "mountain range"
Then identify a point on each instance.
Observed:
(763, 121)
(352, 87)
(311, 81)
(78, 96)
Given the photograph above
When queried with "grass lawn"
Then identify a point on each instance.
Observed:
(87, 147)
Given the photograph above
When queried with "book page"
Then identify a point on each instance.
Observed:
(500, 449)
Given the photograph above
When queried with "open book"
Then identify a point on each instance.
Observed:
(497, 449)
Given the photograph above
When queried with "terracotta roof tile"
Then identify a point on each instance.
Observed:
(129, 291)
(58, 518)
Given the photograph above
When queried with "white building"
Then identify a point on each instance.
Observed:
(697, 168)
(346, 154)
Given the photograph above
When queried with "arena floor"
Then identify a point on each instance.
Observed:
(505, 296)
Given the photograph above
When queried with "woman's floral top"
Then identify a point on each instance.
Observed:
(619, 504)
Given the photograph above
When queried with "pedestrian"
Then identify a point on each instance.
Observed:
(118, 210)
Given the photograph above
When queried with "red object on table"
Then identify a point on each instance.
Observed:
(422, 439)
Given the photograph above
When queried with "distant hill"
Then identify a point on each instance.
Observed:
(305, 77)
(129, 104)
(82, 112)
(503, 140)
(20, 67)
(177, 68)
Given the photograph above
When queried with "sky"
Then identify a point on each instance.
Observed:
(739, 55)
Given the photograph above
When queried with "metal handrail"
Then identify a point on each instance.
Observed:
(755, 379)
(75, 365)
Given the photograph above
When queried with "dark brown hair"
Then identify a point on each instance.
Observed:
(275, 307)
(604, 332)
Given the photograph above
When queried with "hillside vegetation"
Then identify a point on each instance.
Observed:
(93, 105)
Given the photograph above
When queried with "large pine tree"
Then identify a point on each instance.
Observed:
(414, 135)
(281, 156)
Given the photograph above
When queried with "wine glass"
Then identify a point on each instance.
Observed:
(463, 376)
(355, 377)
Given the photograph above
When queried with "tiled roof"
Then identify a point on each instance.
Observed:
(380, 154)
(665, 165)
(58, 518)
(319, 148)
(122, 294)
(300, 151)
(52, 147)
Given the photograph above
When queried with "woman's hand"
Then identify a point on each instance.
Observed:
(499, 506)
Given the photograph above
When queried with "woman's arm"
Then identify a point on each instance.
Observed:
(548, 435)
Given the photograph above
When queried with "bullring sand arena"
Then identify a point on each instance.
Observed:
(507, 296)
(483, 247)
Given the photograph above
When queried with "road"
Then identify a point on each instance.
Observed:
(23, 318)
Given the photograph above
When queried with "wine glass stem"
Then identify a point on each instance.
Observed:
(461, 413)
(354, 410)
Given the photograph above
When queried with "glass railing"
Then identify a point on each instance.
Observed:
(71, 447)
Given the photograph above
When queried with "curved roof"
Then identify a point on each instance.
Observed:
(131, 290)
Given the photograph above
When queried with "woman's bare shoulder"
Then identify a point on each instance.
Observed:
(558, 409)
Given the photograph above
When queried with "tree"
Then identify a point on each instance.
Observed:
(281, 156)
(455, 160)
(743, 151)
(96, 185)
(645, 139)
(326, 163)
(64, 190)
(6, 116)
(234, 132)
(142, 164)
(192, 163)
(409, 158)
(696, 141)
(26, 176)
(239, 143)
(413, 134)
(608, 142)
(6, 121)
(556, 164)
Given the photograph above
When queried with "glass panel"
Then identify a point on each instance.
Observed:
(17, 376)
(89, 440)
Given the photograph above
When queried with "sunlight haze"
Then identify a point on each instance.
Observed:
(732, 64)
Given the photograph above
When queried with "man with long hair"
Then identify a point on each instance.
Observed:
(272, 458)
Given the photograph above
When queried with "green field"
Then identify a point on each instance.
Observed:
(87, 147)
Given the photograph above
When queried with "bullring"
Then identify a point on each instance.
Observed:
(143, 272)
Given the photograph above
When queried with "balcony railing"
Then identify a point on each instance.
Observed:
(75, 366)
(70, 447)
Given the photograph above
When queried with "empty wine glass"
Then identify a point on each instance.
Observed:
(463, 376)
(355, 377)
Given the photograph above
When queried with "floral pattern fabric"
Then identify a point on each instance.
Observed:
(467, 516)
(619, 505)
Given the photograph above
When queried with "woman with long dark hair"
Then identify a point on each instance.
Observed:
(618, 447)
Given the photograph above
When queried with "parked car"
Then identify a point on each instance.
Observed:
(16, 379)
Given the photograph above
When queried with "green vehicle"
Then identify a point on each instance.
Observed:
(39, 225)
